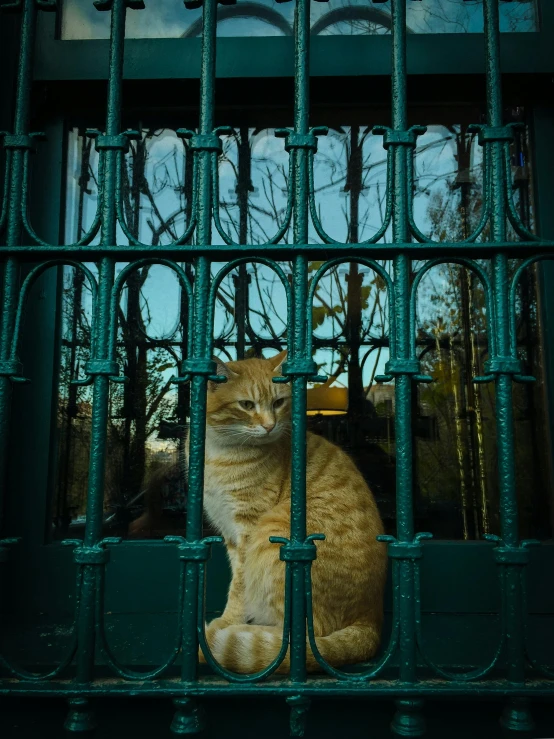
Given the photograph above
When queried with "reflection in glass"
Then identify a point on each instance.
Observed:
(168, 19)
(455, 477)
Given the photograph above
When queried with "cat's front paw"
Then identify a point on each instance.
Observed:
(216, 625)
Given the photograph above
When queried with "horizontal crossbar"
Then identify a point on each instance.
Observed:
(280, 687)
(123, 252)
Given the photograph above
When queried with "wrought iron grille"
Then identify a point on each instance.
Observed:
(513, 673)
(454, 465)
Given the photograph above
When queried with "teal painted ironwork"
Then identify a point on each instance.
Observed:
(524, 676)
(270, 669)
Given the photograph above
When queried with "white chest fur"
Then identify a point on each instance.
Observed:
(219, 504)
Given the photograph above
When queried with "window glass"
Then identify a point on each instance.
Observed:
(456, 494)
(169, 19)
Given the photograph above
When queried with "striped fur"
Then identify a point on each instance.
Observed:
(247, 498)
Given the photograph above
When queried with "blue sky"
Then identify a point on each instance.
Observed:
(435, 167)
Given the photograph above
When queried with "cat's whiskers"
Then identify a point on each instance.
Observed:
(240, 436)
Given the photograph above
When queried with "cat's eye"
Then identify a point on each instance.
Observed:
(279, 403)
(248, 405)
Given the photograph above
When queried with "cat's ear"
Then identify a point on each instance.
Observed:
(277, 361)
(221, 369)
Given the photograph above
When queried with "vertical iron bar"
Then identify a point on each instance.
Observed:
(199, 343)
(509, 524)
(14, 224)
(79, 719)
(402, 288)
(402, 274)
(183, 390)
(298, 340)
(407, 716)
(188, 718)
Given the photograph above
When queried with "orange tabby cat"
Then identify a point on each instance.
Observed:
(247, 498)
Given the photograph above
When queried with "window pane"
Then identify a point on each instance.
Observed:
(169, 19)
(456, 493)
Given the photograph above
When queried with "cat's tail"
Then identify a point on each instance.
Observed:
(249, 648)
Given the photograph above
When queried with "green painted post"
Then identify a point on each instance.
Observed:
(516, 716)
(17, 144)
(91, 555)
(298, 338)
(188, 717)
(407, 720)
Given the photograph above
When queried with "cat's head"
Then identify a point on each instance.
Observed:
(249, 409)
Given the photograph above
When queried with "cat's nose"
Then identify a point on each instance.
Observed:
(268, 426)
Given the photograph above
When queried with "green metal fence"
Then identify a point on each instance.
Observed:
(513, 674)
